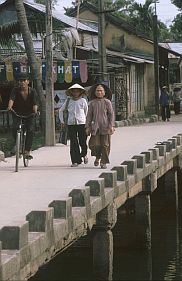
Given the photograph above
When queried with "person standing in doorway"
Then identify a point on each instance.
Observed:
(100, 123)
(164, 103)
(77, 110)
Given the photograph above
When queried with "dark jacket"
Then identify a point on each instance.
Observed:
(164, 98)
(22, 106)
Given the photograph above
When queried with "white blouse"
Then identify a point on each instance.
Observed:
(77, 111)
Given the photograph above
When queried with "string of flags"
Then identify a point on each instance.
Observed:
(63, 71)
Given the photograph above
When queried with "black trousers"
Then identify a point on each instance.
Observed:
(165, 112)
(78, 142)
(29, 126)
(177, 107)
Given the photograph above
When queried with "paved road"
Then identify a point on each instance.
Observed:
(50, 176)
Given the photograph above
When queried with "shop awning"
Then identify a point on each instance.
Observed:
(129, 58)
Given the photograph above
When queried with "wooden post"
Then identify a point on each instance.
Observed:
(50, 120)
(101, 44)
(156, 61)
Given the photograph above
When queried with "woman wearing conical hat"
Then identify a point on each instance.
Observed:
(77, 110)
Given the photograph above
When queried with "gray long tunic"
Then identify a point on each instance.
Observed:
(100, 117)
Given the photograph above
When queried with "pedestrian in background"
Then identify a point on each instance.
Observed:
(1, 102)
(177, 99)
(164, 103)
(77, 110)
(100, 123)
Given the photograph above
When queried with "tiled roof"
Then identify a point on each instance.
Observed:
(69, 21)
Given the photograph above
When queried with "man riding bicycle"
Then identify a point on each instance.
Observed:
(23, 100)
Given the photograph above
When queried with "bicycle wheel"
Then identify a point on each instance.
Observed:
(18, 136)
(25, 160)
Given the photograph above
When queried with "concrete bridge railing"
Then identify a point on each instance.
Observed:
(27, 245)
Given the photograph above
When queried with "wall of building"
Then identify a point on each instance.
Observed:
(88, 15)
(149, 88)
(125, 40)
(141, 91)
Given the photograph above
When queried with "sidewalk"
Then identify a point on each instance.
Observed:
(50, 176)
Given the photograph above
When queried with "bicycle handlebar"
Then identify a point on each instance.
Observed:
(22, 116)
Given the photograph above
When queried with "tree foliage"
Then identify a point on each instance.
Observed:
(140, 16)
(177, 3)
(164, 33)
(176, 28)
(29, 47)
(117, 7)
(44, 2)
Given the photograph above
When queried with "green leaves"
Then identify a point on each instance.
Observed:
(44, 2)
(177, 3)
(176, 29)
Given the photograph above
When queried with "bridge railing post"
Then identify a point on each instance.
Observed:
(103, 243)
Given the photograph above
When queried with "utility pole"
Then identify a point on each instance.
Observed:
(77, 20)
(156, 60)
(50, 120)
(101, 43)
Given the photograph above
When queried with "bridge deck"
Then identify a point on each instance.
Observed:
(50, 177)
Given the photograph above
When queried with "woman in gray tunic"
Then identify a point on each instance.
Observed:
(100, 123)
(177, 99)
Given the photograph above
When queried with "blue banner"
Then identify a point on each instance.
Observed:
(63, 71)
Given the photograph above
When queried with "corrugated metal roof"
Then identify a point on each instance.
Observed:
(118, 54)
(36, 43)
(135, 59)
(92, 24)
(175, 48)
(61, 17)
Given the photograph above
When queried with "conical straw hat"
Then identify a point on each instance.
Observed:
(75, 86)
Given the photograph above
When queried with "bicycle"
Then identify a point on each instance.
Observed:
(20, 140)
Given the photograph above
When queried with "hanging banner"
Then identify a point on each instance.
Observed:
(54, 71)
(83, 71)
(23, 67)
(60, 71)
(9, 71)
(75, 69)
(16, 70)
(68, 71)
(2, 71)
(63, 71)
